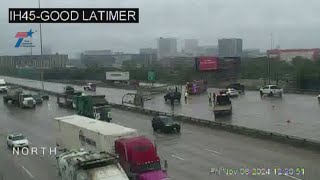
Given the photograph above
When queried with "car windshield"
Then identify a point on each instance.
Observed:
(167, 120)
(17, 138)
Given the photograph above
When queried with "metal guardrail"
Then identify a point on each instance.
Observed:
(288, 139)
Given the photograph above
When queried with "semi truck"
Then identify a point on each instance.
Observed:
(137, 154)
(66, 98)
(17, 97)
(93, 106)
(83, 165)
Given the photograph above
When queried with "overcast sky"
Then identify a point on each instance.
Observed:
(294, 24)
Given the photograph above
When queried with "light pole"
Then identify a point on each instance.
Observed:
(42, 64)
(269, 61)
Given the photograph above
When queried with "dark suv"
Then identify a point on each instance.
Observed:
(165, 124)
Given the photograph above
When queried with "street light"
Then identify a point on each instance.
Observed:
(41, 51)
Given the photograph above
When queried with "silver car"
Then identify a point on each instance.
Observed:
(232, 92)
(17, 141)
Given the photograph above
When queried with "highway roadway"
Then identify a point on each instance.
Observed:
(190, 155)
(294, 114)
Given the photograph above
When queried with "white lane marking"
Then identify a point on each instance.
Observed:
(177, 157)
(292, 177)
(26, 170)
(212, 151)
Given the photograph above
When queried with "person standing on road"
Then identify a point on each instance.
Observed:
(185, 96)
(209, 95)
(214, 97)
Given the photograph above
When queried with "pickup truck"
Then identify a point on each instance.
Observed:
(222, 105)
(271, 90)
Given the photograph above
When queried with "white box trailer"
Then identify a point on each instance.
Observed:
(117, 76)
(75, 132)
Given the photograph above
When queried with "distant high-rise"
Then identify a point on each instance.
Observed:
(190, 45)
(167, 47)
(230, 47)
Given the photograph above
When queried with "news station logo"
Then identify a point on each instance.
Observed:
(24, 39)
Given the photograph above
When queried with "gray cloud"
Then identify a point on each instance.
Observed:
(294, 24)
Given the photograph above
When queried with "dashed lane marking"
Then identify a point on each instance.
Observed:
(292, 177)
(28, 172)
(215, 152)
(177, 157)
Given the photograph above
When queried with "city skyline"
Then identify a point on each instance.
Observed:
(204, 20)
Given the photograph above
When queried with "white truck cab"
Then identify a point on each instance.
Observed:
(271, 90)
(3, 86)
(27, 101)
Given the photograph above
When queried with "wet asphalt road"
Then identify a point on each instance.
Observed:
(249, 110)
(190, 154)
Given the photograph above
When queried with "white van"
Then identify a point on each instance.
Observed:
(3, 86)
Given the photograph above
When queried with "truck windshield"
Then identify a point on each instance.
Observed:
(223, 100)
(147, 167)
(167, 120)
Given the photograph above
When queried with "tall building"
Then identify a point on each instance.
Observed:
(102, 58)
(230, 47)
(190, 45)
(167, 47)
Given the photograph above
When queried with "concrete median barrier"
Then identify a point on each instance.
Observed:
(292, 140)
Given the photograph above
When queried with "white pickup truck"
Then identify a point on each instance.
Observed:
(271, 90)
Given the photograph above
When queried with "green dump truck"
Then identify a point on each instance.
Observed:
(93, 106)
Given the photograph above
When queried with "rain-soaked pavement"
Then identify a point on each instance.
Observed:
(191, 154)
(294, 114)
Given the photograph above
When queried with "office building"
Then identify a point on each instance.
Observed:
(230, 47)
(190, 45)
(167, 47)
(34, 61)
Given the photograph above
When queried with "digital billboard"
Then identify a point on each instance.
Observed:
(209, 63)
